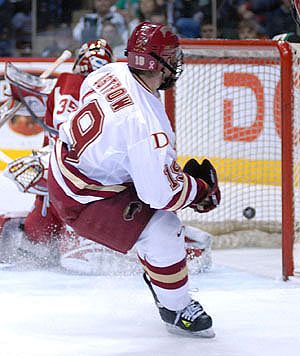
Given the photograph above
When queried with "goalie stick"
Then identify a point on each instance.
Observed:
(11, 106)
(8, 110)
(34, 117)
(61, 59)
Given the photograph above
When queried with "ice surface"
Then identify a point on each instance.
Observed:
(49, 313)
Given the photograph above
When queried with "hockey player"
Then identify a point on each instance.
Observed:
(40, 229)
(113, 175)
(37, 237)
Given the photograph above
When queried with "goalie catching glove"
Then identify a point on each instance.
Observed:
(207, 173)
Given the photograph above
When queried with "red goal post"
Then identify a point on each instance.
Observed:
(238, 104)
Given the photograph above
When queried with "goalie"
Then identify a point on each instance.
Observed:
(37, 233)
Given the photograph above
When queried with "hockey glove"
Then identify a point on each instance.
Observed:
(206, 172)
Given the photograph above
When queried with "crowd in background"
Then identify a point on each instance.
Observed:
(62, 24)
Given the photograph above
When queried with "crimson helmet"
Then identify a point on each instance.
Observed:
(91, 56)
(155, 47)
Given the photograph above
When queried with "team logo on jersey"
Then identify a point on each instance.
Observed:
(161, 139)
(131, 209)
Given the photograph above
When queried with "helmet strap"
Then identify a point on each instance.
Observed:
(167, 83)
(163, 62)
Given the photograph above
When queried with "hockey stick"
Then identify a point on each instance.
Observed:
(11, 106)
(62, 58)
(16, 106)
(37, 120)
(8, 110)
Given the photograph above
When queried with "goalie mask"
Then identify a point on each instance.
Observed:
(91, 56)
(154, 47)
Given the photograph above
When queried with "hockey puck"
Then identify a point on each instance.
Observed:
(249, 212)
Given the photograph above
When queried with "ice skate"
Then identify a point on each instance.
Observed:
(190, 321)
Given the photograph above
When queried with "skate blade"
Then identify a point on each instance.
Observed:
(207, 333)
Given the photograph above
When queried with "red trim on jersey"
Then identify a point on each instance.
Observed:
(68, 84)
(141, 82)
(59, 125)
(87, 94)
(179, 200)
(65, 203)
(83, 178)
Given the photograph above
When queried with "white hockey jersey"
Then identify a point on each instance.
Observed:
(120, 134)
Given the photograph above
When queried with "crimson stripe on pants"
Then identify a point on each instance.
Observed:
(169, 277)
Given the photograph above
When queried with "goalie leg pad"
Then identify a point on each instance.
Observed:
(16, 249)
(198, 247)
(42, 229)
(80, 255)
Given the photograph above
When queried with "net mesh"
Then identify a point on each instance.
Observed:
(227, 109)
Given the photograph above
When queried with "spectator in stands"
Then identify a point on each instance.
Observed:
(128, 9)
(90, 26)
(208, 30)
(5, 14)
(6, 49)
(61, 40)
(250, 29)
(145, 10)
(275, 15)
(67, 9)
(52, 13)
(229, 17)
(21, 23)
(111, 35)
(159, 16)
(169, 9)
(188, 17)
(5, 28)
(5, 11)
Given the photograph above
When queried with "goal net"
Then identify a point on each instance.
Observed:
(237, 103)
